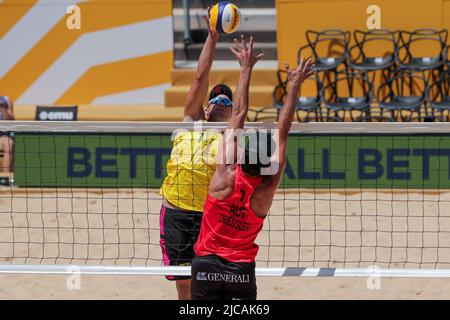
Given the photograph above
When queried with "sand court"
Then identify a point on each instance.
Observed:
(306, 228)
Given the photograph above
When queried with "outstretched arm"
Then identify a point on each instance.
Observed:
(193, 109)
(263, 197)
(247, 60)
(223, 182)
(295, 79)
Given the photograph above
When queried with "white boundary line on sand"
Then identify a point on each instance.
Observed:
(262, 272)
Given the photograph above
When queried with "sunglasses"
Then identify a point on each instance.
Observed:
(223, 101)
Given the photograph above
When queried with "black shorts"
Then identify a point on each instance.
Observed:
(178, 234)
(214, 278)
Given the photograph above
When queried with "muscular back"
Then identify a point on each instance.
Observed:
(222, 186)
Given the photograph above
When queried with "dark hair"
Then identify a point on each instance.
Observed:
(221, 89)
(264, 140)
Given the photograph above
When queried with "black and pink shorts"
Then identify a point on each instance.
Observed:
(179, 232)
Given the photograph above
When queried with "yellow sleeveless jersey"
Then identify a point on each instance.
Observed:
(190, 169)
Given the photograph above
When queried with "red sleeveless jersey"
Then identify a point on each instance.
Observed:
(229, 227)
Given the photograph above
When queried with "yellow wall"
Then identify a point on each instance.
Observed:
(295, 17)
(123, 53)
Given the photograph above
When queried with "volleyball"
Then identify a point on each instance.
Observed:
(225, 17)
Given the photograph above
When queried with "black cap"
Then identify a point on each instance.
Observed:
(221, 89)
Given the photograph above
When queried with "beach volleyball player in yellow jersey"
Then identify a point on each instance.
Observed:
(188, 175)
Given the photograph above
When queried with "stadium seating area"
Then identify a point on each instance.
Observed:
(376, 75)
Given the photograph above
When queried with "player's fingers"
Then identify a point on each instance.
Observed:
(312, 71)
(312, 67)
(307, 64)
(251, 43)
(300, 66)
(309, 74)
(237, 45)
(306, 68)
(260, 56)
(287, 67)
(244, 44)
(234, 51)
(206, 20)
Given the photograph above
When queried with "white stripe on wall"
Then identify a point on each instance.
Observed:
(100, 47)
(29, 30)
(151, 95)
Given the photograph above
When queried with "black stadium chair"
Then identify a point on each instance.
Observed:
(448, 57)
(439, 98)
(271, 112)
(407, 62)
(311, 105)
(329, 49)
(409, 59)
(406, 94)
(349, 92)
(366, 55)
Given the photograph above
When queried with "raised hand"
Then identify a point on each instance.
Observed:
(244, 53)
(304, 70)
(212, 32)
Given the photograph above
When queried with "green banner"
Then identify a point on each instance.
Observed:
(314, 161)
(368, 161)
(91, 160)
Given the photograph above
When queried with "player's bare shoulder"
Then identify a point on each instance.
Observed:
(222, 184)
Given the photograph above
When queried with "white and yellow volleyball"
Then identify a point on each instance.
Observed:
(225, 17)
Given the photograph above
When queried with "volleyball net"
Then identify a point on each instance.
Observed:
(357, 199)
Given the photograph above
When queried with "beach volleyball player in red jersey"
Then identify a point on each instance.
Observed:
(241, 193)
